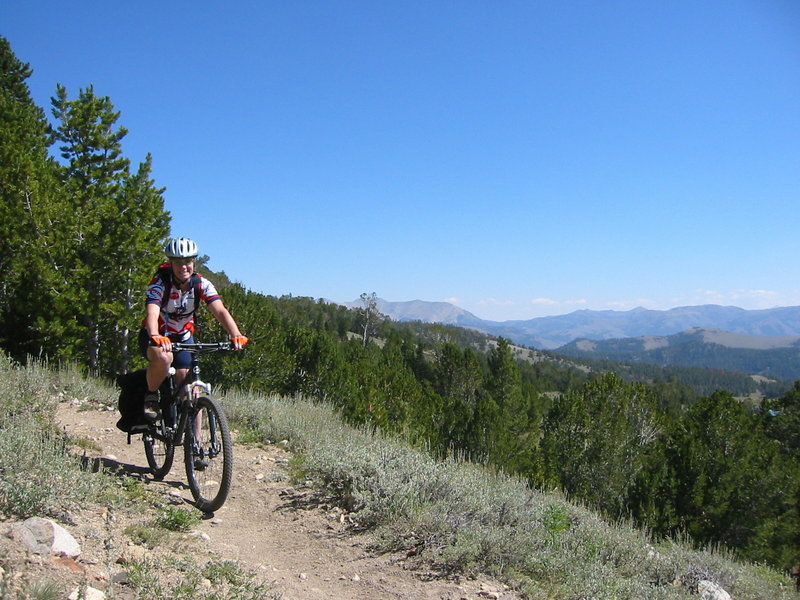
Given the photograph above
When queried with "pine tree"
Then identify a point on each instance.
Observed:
(113, 234)
(131, 257)
(29, 210)
(511, 446)
(596, 440)
(459, 382)
(732, 485)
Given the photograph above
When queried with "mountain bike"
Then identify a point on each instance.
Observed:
(192, 417)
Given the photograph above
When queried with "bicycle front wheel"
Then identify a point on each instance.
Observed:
(208, 454)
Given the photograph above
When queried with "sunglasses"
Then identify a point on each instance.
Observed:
(182, 261)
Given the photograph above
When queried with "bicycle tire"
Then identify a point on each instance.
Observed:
(208, 441)
(160, 455)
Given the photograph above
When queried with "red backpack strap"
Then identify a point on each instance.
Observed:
(164, 273)
(197, 283)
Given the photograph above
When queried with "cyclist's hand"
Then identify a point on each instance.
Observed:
(162, 341)
(239, 341)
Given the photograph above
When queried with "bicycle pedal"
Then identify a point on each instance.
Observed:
(200, 464)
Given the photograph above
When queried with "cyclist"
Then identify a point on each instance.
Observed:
(172, 298)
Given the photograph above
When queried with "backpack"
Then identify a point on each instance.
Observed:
(133, 387)
(164, 273)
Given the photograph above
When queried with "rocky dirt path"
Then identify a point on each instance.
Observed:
(291, 538)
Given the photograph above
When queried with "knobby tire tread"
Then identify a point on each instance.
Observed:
(221, 467)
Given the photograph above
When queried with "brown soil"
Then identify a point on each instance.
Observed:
(300, 545)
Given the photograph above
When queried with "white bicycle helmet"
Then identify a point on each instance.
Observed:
(181, 248)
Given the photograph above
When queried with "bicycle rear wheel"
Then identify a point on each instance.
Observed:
(208, 454)
(160, 455)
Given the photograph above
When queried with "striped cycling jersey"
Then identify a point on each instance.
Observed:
(177, 315)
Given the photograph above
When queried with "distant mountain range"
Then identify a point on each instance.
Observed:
(549, 333)
(427, 312)
(758, 342)
(772, 357)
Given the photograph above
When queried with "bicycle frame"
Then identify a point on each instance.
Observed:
(191, 417)
(186, 392)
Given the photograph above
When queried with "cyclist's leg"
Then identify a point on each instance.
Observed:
(158, 363)
(182, 361)
(157, 368)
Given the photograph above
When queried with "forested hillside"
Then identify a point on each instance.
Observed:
(699, 348)
(81, 236)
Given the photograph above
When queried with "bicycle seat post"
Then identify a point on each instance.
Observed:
(171, 379)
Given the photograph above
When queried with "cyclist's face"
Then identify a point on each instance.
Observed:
(182, 268)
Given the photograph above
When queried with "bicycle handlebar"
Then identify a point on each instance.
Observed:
(201, 348)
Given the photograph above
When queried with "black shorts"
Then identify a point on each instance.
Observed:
(180, 360)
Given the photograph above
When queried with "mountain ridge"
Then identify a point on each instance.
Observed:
(773, 357)
(552, 332)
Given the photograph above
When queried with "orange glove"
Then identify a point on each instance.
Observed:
(239, 341)
(160, 340)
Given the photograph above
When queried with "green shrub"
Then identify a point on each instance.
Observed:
(182, 579)
(42, 590)
(177, 519)
(146, 535)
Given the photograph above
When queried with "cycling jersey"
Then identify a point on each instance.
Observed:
(177, 314)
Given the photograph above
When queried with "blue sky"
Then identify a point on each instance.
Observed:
(518, 159)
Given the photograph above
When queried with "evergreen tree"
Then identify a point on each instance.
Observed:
(459, 382)
(782, 421)
(596, 439)
(113, 233)
(29, 211)
(732, 486)
(93, 177)
(511, 445)
(131, 259)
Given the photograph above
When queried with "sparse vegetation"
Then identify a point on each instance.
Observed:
(177, 519)
(185, 579)
(168, 520)
(42, 590)
(146, 535)
(30, 443)
(462, 517)
(449, 515)
(86, 444)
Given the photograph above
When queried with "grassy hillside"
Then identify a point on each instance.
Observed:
(450, 515)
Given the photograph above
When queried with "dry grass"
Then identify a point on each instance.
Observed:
(37, 474)
(448, 515)
(459, 517)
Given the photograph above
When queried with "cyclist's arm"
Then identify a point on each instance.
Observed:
(225, 319)
(152, 314)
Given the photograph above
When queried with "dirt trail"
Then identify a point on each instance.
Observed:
(287, 535)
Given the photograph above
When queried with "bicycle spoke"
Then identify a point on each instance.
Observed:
(208, 455)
